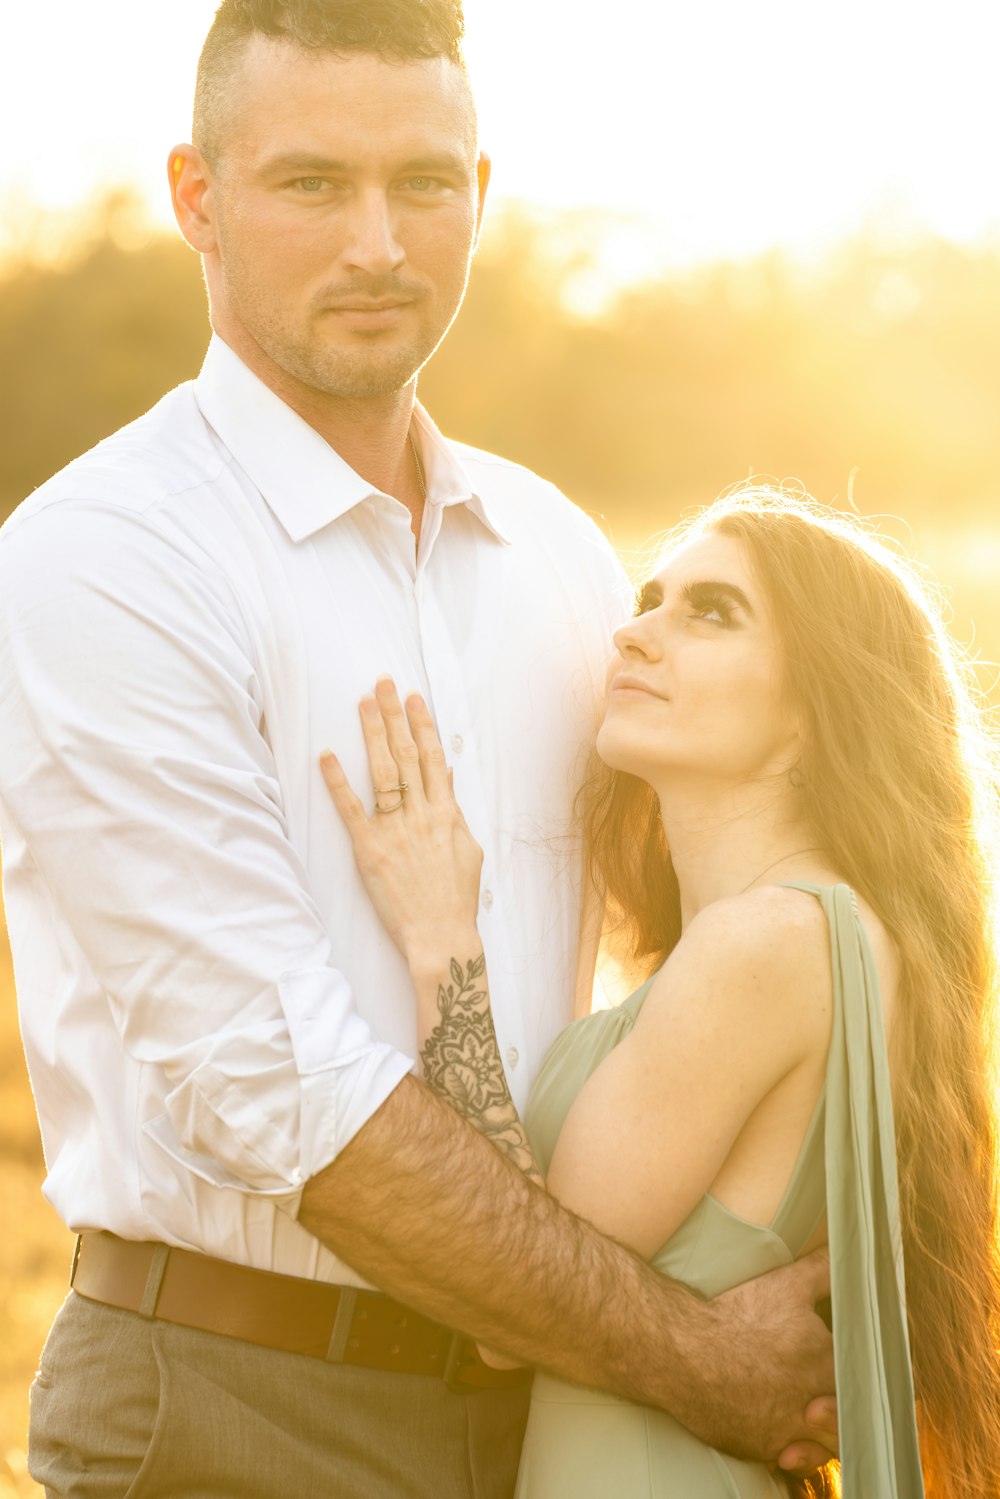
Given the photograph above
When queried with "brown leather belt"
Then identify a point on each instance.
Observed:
(337, 1323)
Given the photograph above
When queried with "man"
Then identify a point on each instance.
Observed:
(220, 1036)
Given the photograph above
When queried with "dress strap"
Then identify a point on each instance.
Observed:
(879, 1448)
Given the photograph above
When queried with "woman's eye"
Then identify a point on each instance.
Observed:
(713, 614)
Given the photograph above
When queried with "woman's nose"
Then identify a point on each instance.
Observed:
(634, 639)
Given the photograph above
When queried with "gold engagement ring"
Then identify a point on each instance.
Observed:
(401, 789)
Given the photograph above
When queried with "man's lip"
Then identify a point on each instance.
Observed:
(369, 306)
(368, 317)
(633, 684)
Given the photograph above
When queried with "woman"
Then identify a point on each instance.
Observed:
(794, 825)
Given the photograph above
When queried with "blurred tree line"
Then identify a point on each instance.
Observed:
(881, 362)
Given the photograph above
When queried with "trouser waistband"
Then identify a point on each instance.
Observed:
(340, 1324)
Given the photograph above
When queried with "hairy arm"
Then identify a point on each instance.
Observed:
(427, 1209)
(461, 1064)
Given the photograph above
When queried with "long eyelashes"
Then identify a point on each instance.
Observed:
(705, 598)
(700, 598)
(650, 597)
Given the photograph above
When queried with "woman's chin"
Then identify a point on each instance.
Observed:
(615, 749)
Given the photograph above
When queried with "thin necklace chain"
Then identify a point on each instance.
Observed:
(420, 469)
(795, 854)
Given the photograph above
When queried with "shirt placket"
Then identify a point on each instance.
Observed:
(452, 706)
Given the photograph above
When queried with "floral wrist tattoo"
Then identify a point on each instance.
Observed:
(461, 1064)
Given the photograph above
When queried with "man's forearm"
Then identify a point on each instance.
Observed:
(459, 1055)
(428, 1210)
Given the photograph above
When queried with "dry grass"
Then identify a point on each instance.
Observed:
(34, 1251)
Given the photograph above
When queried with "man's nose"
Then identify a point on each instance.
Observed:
(373, 245)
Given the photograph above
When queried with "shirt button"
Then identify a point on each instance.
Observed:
(513, 1056)
(457, 743)
(296, 1178)
(487, 900)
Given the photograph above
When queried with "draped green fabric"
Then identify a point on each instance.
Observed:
(879, 1452)
(590, 1445)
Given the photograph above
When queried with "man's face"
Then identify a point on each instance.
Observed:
(345, 203)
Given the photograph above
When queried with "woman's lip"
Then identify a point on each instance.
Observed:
(634, 689)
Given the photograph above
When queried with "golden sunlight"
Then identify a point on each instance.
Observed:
(709, 130)
(725, 240)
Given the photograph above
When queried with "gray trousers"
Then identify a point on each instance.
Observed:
(125, 1408)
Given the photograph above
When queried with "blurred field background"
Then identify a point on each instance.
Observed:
(870, 375)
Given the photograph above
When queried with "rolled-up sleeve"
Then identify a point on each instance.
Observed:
(135, 764)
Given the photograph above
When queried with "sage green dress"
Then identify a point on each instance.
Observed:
(581, 1444)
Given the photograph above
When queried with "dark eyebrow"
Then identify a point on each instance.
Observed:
(707, 590)
(443, 161)
(300, 165)
(648, 596)
(304, 164)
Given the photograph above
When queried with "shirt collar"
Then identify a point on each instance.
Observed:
(303, 479)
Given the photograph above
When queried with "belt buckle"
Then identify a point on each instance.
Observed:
(453, 1365)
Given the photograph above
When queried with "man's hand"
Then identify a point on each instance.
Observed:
(804, 1458)
(424, 1207)
(767, 1368)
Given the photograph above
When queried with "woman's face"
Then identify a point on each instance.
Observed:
(696, 689)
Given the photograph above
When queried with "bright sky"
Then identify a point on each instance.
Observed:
(725, 125)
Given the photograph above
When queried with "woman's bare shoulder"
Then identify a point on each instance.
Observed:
(760, 956)
(773, 925)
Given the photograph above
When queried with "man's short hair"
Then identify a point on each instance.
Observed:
(397, 30)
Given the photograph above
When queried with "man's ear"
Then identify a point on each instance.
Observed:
(191, 195)
(483, 169)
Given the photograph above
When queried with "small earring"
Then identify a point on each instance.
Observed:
(796, 778)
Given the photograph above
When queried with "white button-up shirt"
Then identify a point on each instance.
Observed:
(189, 614)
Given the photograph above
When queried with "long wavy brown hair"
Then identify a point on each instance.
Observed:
(899, 772)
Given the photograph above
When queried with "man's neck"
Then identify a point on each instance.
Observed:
(371, 434)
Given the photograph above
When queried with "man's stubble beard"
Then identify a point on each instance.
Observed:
(350, 377)
(355, 375)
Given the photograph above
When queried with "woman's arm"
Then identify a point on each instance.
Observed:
(422, 868)
(459, 1055)
(712, 1089)
(741, 1006)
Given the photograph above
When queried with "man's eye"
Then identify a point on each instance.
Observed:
(423, 184)
(311, 184)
